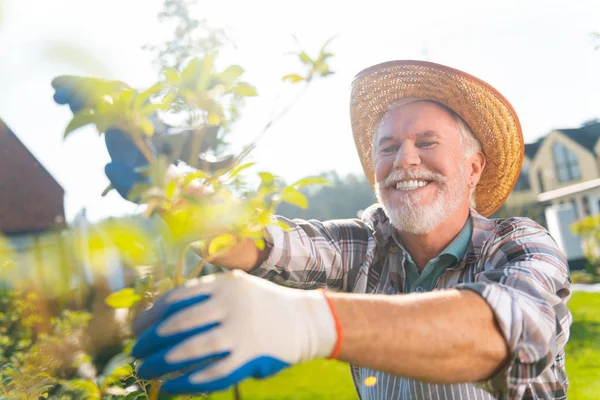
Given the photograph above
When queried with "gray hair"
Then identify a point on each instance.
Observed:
(468, 140)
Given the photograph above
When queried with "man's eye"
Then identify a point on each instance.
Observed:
(426, 144)
(389, 149)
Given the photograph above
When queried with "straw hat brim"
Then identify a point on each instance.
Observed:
(489, 115)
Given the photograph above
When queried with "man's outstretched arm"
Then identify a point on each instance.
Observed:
(446, 336)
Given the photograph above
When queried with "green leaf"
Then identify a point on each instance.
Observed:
(310, 181)
(213, 119)
(170, 189)
(144, 97)
(172, 76)
(323, 54)
(137, 395)
(124, 298)
(322, 68)
(137, 191)
(305, 58)
(284, 226)
(192, 176)
(230, 74)
(106, 190)
(267, 178)
(294, 78)
(87, 388)
(260, 243)
(244, 89)
(239, 169)
(293, 196)
(220, 242)
(147, 127)
(191, 71)
(129, 347)
(118, 367)
(79, 120)
(104, 122)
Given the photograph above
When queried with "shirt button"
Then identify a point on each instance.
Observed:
(419, 289)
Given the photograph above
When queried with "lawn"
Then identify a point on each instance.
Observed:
(583, 349)
(331, 379)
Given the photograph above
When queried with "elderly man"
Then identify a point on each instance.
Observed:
(428, 298)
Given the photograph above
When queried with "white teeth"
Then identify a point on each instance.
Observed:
(410, 185)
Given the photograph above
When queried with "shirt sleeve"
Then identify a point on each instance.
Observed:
(525, 280)
(312, 254)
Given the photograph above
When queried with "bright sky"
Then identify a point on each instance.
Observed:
(538, 53)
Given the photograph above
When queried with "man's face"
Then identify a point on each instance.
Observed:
(420, 166)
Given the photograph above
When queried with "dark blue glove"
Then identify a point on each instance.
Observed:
(125, 157)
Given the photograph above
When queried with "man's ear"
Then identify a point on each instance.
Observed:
(477, 163)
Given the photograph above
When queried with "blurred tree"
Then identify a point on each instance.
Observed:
(343, 198)
(535, 211)
(191, 38)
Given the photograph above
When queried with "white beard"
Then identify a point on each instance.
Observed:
(411, 215)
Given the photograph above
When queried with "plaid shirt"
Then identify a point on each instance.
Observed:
(513, 264)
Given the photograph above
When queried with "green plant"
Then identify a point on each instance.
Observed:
(589, 229)
(57, 348)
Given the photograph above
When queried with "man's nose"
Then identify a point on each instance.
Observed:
(407, 156)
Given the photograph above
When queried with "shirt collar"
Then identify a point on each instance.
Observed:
(456, 249)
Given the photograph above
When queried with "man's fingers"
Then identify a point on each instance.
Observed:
(64, 81)
(163, 309)
(223, 374)
(151, 341)
(122, 149)
(197, 353)
(212, 378)
(122, 178)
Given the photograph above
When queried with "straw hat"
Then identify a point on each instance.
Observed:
(489, 115)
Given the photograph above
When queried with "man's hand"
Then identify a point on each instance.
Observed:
(77, 93)
(221, 329)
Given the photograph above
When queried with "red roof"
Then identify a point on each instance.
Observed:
(30, 198)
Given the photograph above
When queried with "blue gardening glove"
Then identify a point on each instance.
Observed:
(220, 329)
(78, 92)
(125, 157)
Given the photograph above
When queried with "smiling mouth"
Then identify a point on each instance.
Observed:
(410, 185)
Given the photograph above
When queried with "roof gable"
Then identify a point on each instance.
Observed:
(587, 135)
(532, 148)
(30, 198)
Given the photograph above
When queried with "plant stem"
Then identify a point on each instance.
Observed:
(154, 390)
(137, 140)
(179, 270)
(201, 265)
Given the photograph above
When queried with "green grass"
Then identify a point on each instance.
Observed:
(321, 379)
(583, 349)
(331, 379)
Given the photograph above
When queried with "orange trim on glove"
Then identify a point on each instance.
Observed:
(338, 327)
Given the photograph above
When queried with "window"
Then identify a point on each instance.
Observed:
(540, 177)
(574, 206)
(585, 203)
(566, 164)
(523, 183)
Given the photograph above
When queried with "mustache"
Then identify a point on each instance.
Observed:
(402, 175)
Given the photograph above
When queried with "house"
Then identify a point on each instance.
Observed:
(562, 167)
(31, 200)
(31, 212)
(561, 178)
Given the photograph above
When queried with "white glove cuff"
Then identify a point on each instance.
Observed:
(324, 332)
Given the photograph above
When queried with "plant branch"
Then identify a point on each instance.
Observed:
(154, 390)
